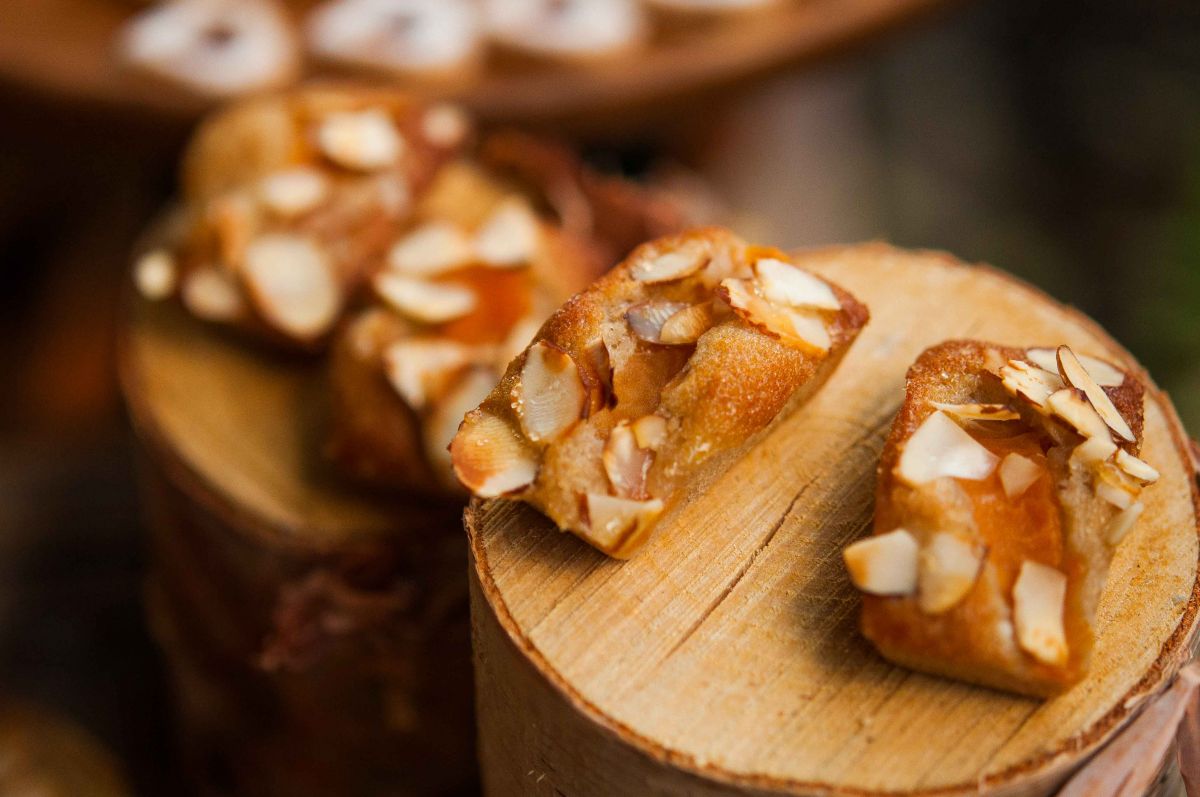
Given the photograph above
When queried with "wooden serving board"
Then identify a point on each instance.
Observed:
(725, 657)
(65, 48)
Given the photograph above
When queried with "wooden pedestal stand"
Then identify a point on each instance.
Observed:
(724, 659)
(317, 638)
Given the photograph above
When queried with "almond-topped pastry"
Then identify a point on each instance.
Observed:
(1008, 480)
(291, 202)
(649, 384)
(459, 296)
(570, 30)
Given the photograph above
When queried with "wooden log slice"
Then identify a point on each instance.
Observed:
(725, 658)
(316, 636)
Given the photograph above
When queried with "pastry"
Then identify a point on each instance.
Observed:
(418, 38)
(214, 48)
(1008, 480)
(291, 202)
(649, 384)
(568, 30)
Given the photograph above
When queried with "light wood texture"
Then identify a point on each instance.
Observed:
(725, 657)
(65, 47)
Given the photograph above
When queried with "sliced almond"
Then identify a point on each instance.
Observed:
(687, 325)
(647, 319)
(1113, 486)
(462, 395)
(650, 431)
(427, 302)
(617, 525)
(793, 327)
(1017, 474)
(1124, 521)
(212, 294)
(947, 569)
(292, 283)
(786, 284)
(419, 368)
(1072, 406)
(626, 463)
(293, 192)
(1138, 469)
(360, 140)
(155, 274)
(1029, 382)
(1039, 595)
(885, 564)
(1094, 450)
(549, 398)
(979, 412)
(939, 448)
(1075, 375)
(670, 266)
(490, 458)
(510, 236)
(445, 125)
(1106, 374)
(433, 248)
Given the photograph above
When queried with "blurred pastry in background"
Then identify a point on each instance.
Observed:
(432, 39)
(572, 30)
(215, 48)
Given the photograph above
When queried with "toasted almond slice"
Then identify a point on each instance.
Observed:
(155, 274)
(792, 286)
(940, 447)
(510, 236)
(1094, 450)
(292, 284)
(431, 249)
(626, 463)
(979, 412)
(1029, 382)
(650, 431)
(687, 325)
(418, 368)
(1138, 469)
(1113, 486)
(947, 569)
(293, 192)
(793, 327)
(1105, 373)
(1072, 406)
(670, 266)
(647, 318)
(1124, 521)
(445, 125)
(361, 140)
(1038, 598)
(427, 302)
(1075, 375)
(550, 396)
(212, 294)
(490, 458)
(1017, 474)
(617, 525)
(885, 564)
(446, 414)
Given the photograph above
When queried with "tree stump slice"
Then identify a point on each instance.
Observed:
(255, 546)
(725, 657)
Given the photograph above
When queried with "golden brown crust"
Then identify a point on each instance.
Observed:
(656, 419)
(974, 638)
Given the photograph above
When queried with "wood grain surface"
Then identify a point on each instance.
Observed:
(725, 658)
(65, 48)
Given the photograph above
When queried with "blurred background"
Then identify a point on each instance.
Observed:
(1059, 141)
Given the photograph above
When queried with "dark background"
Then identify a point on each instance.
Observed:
(1058, 140)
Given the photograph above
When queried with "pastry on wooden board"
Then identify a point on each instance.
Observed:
(290, 203)
(643, 388)
(1008, 480)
